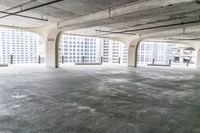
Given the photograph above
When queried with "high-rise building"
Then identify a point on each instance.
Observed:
(182, 53)
(75, 49)
(23, 46)
(160, 52)
(113, 51)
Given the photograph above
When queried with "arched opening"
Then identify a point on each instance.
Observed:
(157, 53)
(21, 47)
(77, 49)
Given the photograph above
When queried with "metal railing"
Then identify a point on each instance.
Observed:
(11, 59)
(85, 59)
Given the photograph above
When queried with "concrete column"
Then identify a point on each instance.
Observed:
(181, 59)
(132, 53)
(198, 58)
(132, 44)
(52, 48)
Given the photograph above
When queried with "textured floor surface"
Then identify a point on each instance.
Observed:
(101, 99)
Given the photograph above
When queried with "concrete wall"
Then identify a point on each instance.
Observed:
(198, 59)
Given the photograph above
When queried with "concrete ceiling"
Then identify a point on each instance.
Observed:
(143, 18)
(55, 12)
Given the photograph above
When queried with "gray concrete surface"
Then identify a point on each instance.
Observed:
(101, 99)
(141, 19)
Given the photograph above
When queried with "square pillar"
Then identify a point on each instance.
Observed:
(132, 53)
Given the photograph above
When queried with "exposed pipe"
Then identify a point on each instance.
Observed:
(23, 4)
(183, 39)
(155, 27)
(152, 22)
(31, 8)
(163, 26)
(38, 6)
(24, 16)
(114, 32)
(163, 20)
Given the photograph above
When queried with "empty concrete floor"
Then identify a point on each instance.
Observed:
(102, 99)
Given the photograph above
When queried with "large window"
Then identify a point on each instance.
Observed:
(163, 53)
(91, 50)
(20, 46)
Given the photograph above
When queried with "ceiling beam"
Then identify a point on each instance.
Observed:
(24, 16)
(193, 30)
(28, 9)
(175, 25)
(114, 15)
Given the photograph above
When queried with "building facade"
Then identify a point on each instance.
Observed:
(113, 51)
(182, 54)
(160, 52)
(76, 49)
(23, 46)
(163, 52)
